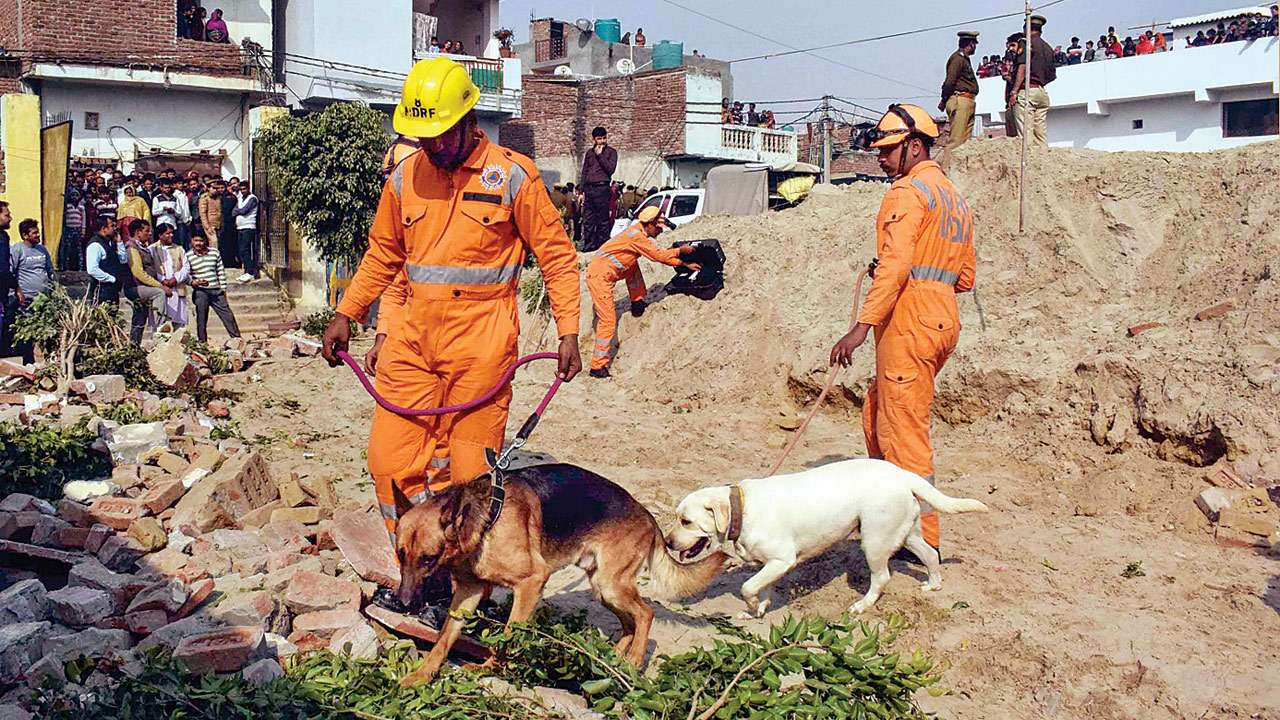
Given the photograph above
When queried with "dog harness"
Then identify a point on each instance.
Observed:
(735, 513)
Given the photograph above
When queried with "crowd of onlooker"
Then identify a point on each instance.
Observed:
(161, 241)
(1108, 46)
(448, 47)
(197, 23)
(736, 114)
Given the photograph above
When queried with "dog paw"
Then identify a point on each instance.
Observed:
(745, 615)
(928, 587)
(859, 607)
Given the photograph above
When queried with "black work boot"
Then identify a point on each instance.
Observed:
(602, 373)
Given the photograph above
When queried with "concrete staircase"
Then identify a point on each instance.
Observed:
(255, 304)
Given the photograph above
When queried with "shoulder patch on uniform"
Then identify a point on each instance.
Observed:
(493, 176)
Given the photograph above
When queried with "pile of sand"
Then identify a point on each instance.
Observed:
(1111, 241)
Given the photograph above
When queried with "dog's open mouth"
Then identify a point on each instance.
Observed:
(695, 549)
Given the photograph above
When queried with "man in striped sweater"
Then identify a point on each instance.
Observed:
(209, 288)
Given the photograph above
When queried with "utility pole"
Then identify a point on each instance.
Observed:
(1022, 112)
(826, 138)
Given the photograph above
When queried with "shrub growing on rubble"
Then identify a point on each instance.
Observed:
(38, 460)
(324, 169)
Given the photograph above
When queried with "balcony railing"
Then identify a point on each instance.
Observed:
(485, 73)
(763, 142)
(547, 50)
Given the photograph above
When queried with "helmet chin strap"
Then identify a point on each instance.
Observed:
(452, 160)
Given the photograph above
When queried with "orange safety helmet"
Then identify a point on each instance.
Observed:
(900, 123)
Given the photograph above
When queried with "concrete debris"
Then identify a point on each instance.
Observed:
(362, 538)
(24, 602)
(127, 442)
(1212, 501)
(170, 364)
(81, 606)
(86, 490)
(90, 642)
(99, 389)
(263, 671)
(20, 646)
(358, 641)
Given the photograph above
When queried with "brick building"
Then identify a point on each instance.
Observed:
(665, 123)
(134, 86)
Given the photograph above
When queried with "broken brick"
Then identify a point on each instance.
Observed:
(308, 641)
(260, 516)
(1212, 501)
(1215, 311)
(162, 495)
(25, 601)
(167, 595)
(362, 538)
(173, 464)
(98, 535)
(92, 574)
(1143, 327)
(75, 513)
(291, 493)
(115, 512)
(80, 606)
(304, 515)
(325, 623)
(197, 594)
(72, 537)
(310, 591)
(145, 622)
(121, 553)
(149, 533)
(221, 651)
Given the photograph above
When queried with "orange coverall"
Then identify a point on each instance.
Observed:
(619, 259)
(448, 248)
(924, 240)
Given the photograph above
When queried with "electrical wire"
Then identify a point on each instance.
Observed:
(793, 48)
(904, 33)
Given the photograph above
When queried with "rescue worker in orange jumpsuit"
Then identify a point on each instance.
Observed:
(924, 243)
(450, 235)
(619, 259)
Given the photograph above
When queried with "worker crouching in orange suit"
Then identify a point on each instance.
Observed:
(449, 238)
(924, 242)
(619, 259)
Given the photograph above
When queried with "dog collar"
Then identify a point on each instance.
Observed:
(735, 513)
(497, 498)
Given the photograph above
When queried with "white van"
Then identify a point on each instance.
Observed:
(680, 207)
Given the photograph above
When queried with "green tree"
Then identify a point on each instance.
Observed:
(324, 170)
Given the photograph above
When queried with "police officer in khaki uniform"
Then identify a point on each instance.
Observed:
(959, 91)
(1031, 107)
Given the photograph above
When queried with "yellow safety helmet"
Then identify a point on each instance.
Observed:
(437, 94)
(648, 214)
(900, 123)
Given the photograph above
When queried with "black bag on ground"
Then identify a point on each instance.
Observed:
(707, 282)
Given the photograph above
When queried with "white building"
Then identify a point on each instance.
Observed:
(1185, 100)
(340, 50)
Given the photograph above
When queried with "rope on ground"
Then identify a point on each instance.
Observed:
(832, 373)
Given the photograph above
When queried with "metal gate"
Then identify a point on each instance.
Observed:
(273, 230)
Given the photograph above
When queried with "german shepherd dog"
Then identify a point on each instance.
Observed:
(555, 516)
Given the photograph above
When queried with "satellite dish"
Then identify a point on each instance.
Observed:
(563, 70)
(583, 24)
(625, 66)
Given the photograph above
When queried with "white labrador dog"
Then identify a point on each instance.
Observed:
(786, 519)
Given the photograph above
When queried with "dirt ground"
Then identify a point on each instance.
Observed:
(1088, 445)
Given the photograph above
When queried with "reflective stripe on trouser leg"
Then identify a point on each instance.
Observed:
(601, 289)
(636, 289)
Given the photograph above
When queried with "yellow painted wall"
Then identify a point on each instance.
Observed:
(20, 133)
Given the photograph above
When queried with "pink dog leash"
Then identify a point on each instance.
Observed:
(502, 461)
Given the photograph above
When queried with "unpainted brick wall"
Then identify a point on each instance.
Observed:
(113, 32)
(643, 113)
